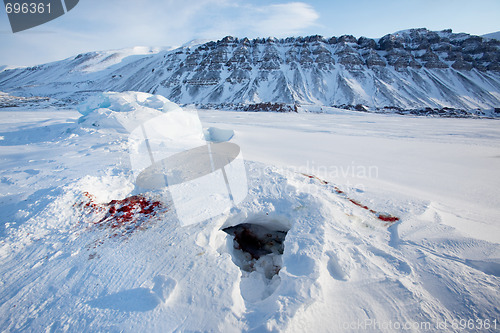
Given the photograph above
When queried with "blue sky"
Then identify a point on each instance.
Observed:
(111, 24)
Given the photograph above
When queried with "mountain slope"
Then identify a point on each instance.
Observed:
(493, 35)
(409, 69)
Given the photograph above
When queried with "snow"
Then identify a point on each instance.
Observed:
(82, 248)
(125, 102)
(180, 74)
(493, 35)
(101, 60)
(196, 42)
(112, 110)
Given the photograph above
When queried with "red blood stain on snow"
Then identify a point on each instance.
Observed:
(388, 218)
(324, 182)
(357, 203)
(122, 212)
(383, 217)
(120, 217)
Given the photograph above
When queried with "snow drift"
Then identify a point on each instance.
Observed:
(82, 249)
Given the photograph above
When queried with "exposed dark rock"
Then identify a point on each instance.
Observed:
(442, 47)
(367, 43)
(238, 76)
(306, 69)
(332, 40)
(204, 78)
(306, 59)
(399, 58)
(454, 56)
(473, 45)
(315, 38)
(374, 59)
(291, 56)
(360, 107)
(240, 55)
(351, 60)
(271, 59)
(479, 66)
(489, 57)
(277, 107)
(461, 65)
(324, 58)
(494, 66)
(389, 42)
(347, 39)
(432, 60)
(357, 107)
(414, 64)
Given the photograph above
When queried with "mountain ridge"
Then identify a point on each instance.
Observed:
(413, 68)
(492, 35)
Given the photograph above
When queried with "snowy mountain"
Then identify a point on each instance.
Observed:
(493, 35)
(409, 69)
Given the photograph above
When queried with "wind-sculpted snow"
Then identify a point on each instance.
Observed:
(411, 69)
(310, 248)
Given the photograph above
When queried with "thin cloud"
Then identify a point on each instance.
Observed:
(245, 20)
(285, 19)
(114, 24)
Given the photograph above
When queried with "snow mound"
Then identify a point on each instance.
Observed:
(123, 110)
(125, 102)
(83, 249)
(214, 134)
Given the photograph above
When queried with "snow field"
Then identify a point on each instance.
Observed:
(82, 249)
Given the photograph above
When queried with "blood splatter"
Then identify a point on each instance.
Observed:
(324, 182)
(388, 218)
(383, 217)
(120, 217)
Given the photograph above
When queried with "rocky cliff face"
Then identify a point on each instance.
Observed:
(410, 69)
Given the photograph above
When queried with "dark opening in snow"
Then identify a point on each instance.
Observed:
(258, 247)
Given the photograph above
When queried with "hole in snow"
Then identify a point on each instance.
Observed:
(258, 245)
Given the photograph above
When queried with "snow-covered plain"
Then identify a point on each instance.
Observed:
(69, 262)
